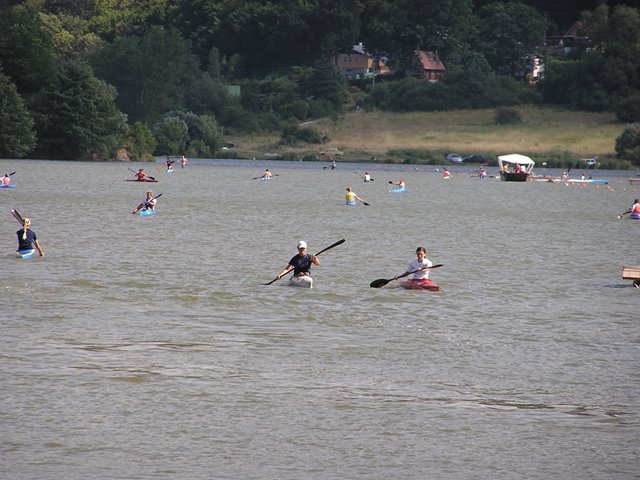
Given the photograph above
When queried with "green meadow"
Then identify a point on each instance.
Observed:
(556, 136)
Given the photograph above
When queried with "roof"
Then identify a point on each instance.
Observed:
(516, 158)
(430, 60)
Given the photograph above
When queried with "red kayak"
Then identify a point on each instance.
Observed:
(145, 180)
(421, 284)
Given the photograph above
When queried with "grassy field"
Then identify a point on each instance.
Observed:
(544, 132)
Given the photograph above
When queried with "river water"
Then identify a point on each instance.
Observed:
(148, 348)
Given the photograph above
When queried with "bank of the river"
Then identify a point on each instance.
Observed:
(559, 137)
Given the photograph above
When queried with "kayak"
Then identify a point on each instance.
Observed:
(146, 213)
(304, 281)
(421, 284)
(170, 170)
(25, 254)
(7, 186)
(398, 190)
(146, 180)
(635, 216)
(351, 203)
(265, 178)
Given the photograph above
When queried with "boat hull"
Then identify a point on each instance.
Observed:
(421, 284)
(26, 254)
(635, 216)
(514, 177)
(351, 203)
(304, 281)
(141, 181)
(7, 186)
(398, 190)
(147, 213)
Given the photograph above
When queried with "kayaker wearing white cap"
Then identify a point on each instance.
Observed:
(301, 266)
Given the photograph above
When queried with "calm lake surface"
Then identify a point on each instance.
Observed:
(148, 348)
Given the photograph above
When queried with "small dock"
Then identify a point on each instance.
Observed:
(630, 272)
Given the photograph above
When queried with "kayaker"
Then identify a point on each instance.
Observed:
(27, 239)
(6, 180)
(141, 176)
(149, 203)
(400, 184)
(183, 161)
(635, 209)
(420, 277)
(446, 173)
(351, 197)
(482, 173)
(367, 177)
(267, 174)
(301, 266)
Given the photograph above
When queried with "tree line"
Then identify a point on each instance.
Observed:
(85, 79)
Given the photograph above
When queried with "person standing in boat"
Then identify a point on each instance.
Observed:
(301, 266)
(27, 238)
(420, 267)
(149, 203)
(351, 197)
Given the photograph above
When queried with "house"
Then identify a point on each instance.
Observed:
(358, 64)
(426, 65)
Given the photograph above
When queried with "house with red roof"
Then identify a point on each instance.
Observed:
(426, 65)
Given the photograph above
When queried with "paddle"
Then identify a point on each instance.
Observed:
(144, 203)
(148, 176)
(17, 216)
(9, 174)
(624, 213)
(339, 242)
(273, 175)
(381, 282)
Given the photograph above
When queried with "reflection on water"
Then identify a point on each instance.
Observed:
(149, 348)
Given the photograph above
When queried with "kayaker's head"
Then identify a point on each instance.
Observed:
(302, 245)
(636, 201)
(141, 170)
(149, 194)
(27, 223)
(421, 252)
(348, 189)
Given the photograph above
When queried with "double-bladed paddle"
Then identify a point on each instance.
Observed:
(624, 213)
(148, 176)
(381, 282)
(339, 242)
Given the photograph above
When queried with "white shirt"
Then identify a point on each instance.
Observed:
(415, 265)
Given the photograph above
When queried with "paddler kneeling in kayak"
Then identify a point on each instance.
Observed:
(27, 239)
(420, 269)
(149, 203)
(301, 265)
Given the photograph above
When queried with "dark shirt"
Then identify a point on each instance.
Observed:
(301, 263)
(27, 243)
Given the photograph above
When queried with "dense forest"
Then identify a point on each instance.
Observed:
(100, 79)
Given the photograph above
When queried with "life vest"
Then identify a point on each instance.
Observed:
(350, 197)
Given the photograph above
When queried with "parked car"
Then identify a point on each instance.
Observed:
(591, 162)
(331, 153)
(454, 158)
(476, 159)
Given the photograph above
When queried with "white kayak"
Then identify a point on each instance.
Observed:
(304, 281)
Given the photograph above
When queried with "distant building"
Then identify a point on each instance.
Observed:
(358, 64)
(426, 65)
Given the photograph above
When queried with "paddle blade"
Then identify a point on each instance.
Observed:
(17, 216)
(365, 204)
(339, 242)
(381, 282)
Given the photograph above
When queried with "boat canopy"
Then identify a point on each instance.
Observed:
(513, 158)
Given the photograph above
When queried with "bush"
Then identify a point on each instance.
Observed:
(628, 109)
(507, 116)
(292, 134)
(628, 144)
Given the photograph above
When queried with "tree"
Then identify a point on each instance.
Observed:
(78, 119)
(508, 32)
(26, 49)
(17, 137)
(180, 132)
(152, 72)
(628, 144)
